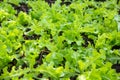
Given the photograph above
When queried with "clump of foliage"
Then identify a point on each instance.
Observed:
(77, 41)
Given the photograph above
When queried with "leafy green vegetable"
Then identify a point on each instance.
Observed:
(79, 41)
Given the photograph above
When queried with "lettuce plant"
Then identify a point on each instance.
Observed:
(79, 41)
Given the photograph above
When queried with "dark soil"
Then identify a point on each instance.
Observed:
(31, 37)
(27, 29)
(60, 33)
(50, 2)
(0, 24)
(67, 3)
(43, 52)
(118, 1)
(22, 56)
(28, 37)
(21, 76)
(92, 7)
(116, 47)
(65, 43)
(14, 63)
(40, 75)
(63, 63)
(24, 65)
(11, 64)
(1, 0)
(1, 72)
(74, 44)
(73, 77)
(116, 67)
(87, 40)
(21, 7)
